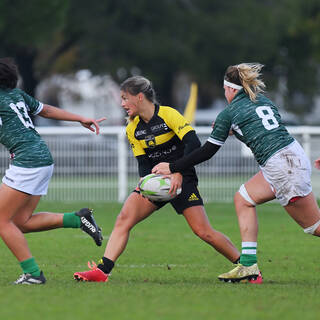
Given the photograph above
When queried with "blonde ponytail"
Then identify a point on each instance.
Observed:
(249, 74)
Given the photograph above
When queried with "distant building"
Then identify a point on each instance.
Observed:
(91, 95)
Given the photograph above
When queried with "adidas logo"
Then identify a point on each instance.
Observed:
(193, 197)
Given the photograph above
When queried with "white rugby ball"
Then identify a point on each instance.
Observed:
(156, 188)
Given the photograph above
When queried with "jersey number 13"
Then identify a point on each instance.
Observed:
(22, 112)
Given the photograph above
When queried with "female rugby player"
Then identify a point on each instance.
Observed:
(285, 171)
(29, 173)
(157, 133)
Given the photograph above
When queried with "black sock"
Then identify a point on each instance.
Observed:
(106, 266)
(237, 261)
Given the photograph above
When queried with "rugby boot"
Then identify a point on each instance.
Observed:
(94, 274)
(89, 225)
(242, 273)
(27, 278)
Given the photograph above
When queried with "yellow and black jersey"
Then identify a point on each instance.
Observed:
(161, 138)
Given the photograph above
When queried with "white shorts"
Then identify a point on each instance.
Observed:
(289, 173)
(33, 181)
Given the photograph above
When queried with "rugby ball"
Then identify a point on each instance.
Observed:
(156, 188)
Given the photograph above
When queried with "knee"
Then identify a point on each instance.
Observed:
(123, 221)
(22, 224)
(22, 228)
(204, 234)
(242, 198)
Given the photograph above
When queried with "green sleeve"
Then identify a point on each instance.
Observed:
(32, 104)
(221, 128)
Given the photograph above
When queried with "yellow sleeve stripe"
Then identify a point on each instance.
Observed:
(175, 121)
(183, 130)
(137, 153)
(160, 139)
(134, 143)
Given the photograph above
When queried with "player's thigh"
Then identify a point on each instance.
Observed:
(24, 213)
(304, 211)
(11, 201)
(197, 218)
(135, 209)
(259, 189)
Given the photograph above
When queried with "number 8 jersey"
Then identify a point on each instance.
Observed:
(17, 132)
(257, 124)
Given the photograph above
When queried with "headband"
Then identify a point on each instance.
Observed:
(231, 85)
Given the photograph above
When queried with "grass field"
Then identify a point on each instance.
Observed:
(166, 272)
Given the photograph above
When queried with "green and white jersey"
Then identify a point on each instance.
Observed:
(17, 132)
(257, 124)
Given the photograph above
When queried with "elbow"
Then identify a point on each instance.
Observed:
(45, 112)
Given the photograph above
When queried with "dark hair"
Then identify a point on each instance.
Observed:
(137, 84)
(232, 75)
(8, 73)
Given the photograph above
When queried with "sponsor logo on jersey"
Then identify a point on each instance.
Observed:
(182, 127)
(150, 141)
(161, 153)
(159, 127)
(139, 133)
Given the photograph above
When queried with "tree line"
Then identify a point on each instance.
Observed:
(166, 39)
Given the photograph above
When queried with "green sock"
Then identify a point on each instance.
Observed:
(30, 266)
(248, 254)
(70, 220)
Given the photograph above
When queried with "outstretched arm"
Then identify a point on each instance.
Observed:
(199, 155)
(317, 163)
(60, 114)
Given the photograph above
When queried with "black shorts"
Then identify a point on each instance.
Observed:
(189, 197)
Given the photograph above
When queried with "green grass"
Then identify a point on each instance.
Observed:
(166, 271)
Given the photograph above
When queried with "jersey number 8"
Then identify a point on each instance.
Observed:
(268, 119)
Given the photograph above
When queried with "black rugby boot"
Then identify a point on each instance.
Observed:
(89, 225)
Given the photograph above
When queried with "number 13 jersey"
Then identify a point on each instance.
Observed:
(257, 124)
(17, 132)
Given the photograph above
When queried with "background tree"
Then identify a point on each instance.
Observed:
(300, 54)
(25, 28)
(166, 39)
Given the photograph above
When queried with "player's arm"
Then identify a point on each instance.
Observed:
(191, 142)
(217, 138)
(144, 166)
(204, 153)
(60, 114)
